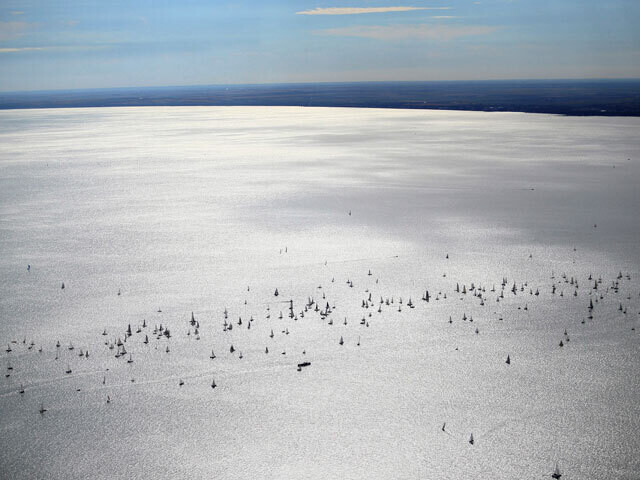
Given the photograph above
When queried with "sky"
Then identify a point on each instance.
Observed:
(55, 44)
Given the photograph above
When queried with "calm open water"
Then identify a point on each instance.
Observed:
(207, 209)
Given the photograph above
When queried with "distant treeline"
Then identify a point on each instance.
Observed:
(567, 97)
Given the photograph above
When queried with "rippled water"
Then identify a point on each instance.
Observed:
(202, 209)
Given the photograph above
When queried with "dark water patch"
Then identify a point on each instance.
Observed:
(566, 97)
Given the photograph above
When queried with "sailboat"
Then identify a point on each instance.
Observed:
(42, 409)
(213, 355)
(213, 384)
(556, 472)
(471, 439)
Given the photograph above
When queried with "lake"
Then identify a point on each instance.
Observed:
(515, 223)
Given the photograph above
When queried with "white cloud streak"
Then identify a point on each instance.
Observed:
(402, 32)
(357, 10)
(21, 49)
(54, 48)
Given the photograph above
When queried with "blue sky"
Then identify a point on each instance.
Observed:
(56, 44)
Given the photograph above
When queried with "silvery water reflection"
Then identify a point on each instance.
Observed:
(210, 209)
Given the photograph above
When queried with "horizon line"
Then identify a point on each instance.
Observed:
(348, 82)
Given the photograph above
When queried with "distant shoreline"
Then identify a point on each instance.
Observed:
(563, 97)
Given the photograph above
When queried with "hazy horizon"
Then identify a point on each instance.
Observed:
(330, 82)
(566, 97)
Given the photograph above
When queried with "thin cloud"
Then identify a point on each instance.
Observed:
(357, 11)
(402, 32)
(9, 30)
(21, 49)
(54, 48)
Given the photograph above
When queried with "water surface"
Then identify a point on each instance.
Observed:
(207, 209)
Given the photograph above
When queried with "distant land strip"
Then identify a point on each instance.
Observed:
(564, 97)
